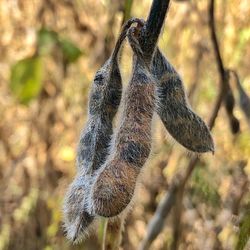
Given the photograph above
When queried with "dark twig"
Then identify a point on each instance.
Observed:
(223, 72)
(221, 69)
(177, 219)
(152, 29)
(215, 43)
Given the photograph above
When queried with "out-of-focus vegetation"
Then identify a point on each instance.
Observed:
(50, 51)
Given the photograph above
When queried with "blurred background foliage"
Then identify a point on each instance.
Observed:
(50, 51)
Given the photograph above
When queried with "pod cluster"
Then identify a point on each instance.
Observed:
(109, 162)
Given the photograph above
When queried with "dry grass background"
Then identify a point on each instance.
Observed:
(38, 140)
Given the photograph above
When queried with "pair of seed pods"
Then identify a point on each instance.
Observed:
(108, 164)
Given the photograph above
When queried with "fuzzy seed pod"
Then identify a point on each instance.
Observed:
(94, 141)
(185, 126)
(115, 183)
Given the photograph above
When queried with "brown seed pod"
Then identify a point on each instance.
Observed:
(182, 123)
(94, 141)
(172, 106)
(115, 183)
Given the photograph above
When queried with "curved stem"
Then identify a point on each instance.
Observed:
(152, 29)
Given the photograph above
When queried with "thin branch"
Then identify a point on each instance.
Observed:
(157, 222)
(177, 219)
(223, 73)
(214, 39)
(152, 29)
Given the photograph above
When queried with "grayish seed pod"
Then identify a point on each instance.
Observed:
(172, 106)
(182, 123)
(115, 182)
(94, 141)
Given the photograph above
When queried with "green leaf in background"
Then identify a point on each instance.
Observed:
(102, 230)
(46, 39)
(127, 10)
(70, 51)
(244, 234)
(26, 79)
(204, 187)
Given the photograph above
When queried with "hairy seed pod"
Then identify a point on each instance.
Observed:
(115, 183)
(94, 141)
(172, 106)
(185, 126)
